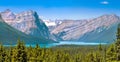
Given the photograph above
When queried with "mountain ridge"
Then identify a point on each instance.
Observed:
(10, 35)
(74, 30)
(27, 22)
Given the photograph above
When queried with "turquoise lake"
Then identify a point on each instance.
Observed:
(61, 43)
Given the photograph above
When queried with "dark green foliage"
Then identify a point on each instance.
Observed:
(118, 32)
(111, 55)
(117, 44)
(2, 54)
(100, 47)
(19, 53)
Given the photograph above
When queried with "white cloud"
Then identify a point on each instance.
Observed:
(105, 2)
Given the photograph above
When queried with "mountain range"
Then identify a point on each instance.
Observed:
(29, 27)
(101, 29)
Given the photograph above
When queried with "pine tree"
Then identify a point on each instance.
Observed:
(90, 57)
(19, 53)
(105, 54)
(30, 53)
(37, 52)
(117, 44)
(98, 57)
(78, 58)
(100, 47)
(10, 54)
(2, 53)
(111, 53)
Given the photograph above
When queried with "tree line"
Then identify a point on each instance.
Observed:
(100, 53)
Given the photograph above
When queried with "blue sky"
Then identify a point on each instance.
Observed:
(64, 9)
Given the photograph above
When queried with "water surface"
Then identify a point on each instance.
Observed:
(61, 43)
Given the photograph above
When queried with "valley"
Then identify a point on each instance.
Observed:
(94, 30)
(59, 31)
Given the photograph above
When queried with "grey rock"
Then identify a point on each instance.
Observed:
(10, 35)
(27, 22)
(74, 30)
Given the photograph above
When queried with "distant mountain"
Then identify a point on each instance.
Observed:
(8, 16)
(10, 35)
(27, 22)
(101, 29)
(49, 23)
(52, 24)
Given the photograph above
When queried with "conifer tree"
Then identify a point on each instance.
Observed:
(100, 47)
(19, 53)
(2, 53)
(117, 44)
(37, 54)
(90, 57)
(104, 54)
(111, 53)
(9, 54)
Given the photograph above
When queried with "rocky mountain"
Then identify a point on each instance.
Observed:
(94, 30)
(8, 16)
(10, 35)
(28, 22)
(101, 29)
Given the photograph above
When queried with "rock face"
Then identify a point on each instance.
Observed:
(27, 22)
(76, 30)
(8, 16)
(98, 29)
(10, 35)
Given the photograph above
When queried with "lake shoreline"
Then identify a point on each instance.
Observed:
(65, 43)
